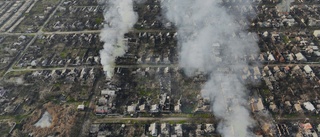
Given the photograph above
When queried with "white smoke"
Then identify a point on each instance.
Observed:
(213, 42)
(120, 18)
(284, 5)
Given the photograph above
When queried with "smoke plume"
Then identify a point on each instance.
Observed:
(211, 41)
(120, 18)
(284, 5)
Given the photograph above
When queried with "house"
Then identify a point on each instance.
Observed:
(290, 22)
(34, 63)
(318, 127)
(276, 69)
(317, 53)
(296, 68)
(256, 73)
(49, 8)
(203, 105)
(132, 108)
(273, 107)
(2, 91)
(306, 126)
(165, 128)
(148, 59)
(257, 105)
(209, 128)
(153, 129)
(316, 33)
(315, 48)
(290, 57)
(154, 108)
(66, 2)
(177, 108)
(139, 61)
(297, 107)
(143, 108)
(308, 130)
(102, 134)
(99, 110)
(94, 128)
(287, 103)
(166, 60)
(261, 58)
(199, 131)
(163, 99)
(22, 37)
(271, 57)
(41, 17)
(17, 44)
(80, 107)
(300, 57)
(307, 69)
(166, 70)
(108, 92)
(246, 73)
(102, 101)
(178, 130)
(309, 106)
(157, 59)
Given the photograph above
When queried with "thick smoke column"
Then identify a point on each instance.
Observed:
(120, 18)
(212, 42)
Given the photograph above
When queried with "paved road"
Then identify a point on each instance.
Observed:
(82, 32)
(97, 66)
(52, 68)
(298, 118)
(160, 119)
(311, 64)
(141, 66)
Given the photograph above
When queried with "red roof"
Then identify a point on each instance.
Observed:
(306, 126)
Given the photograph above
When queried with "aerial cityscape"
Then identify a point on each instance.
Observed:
(162, 68)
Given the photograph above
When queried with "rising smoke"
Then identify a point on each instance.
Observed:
(211, 41)
(284, 5)
(120, 18)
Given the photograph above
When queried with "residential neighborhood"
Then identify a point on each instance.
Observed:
(53, 80)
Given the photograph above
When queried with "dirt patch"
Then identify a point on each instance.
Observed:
(63, 118)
